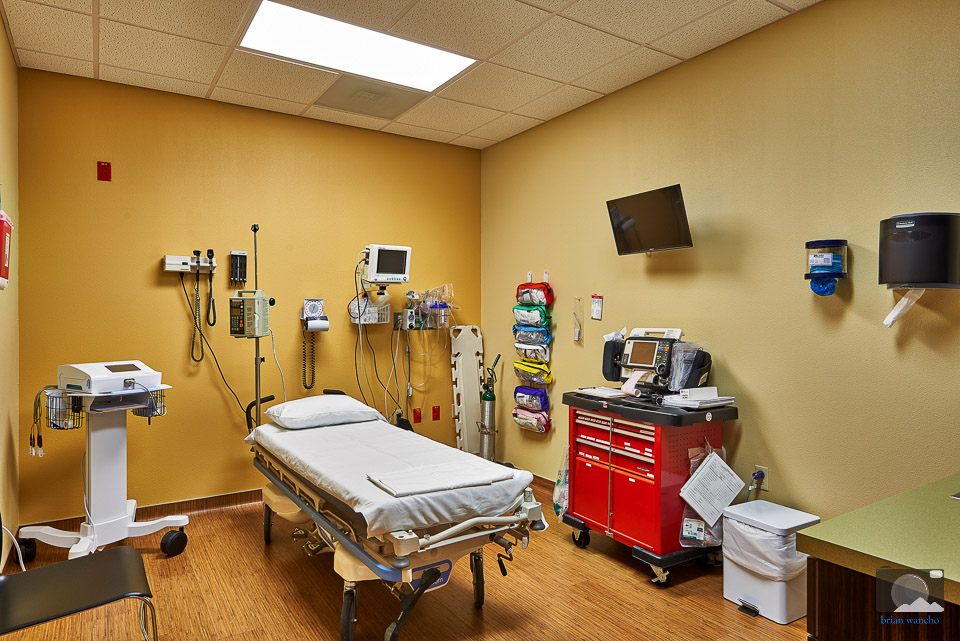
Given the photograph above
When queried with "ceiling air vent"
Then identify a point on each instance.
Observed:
(368, 97)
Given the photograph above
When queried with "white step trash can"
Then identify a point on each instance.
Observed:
(762, 570)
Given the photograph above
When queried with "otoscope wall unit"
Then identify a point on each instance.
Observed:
(826, 265)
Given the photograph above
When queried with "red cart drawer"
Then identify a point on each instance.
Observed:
(634, 509)
(635, 463)
(638, 443)
(590, 492)
(593, 432)
(599, 452)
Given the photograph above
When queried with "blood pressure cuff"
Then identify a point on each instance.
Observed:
(533, 421)
(534, 294)
(538, 373)
(531, 398)
(535, 353)
(532, 335)
(533, 315)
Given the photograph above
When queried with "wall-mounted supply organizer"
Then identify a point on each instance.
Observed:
(826, 265)
(532, 338)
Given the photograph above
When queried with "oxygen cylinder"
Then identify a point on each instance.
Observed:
(488, 415)
(488, 425)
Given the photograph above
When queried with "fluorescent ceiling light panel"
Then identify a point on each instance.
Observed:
(287, 32)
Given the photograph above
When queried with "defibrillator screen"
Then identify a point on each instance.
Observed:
(642, 353)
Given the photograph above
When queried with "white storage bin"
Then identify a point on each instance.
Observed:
(761, 566)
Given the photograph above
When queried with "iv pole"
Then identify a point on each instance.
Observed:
(257, 359)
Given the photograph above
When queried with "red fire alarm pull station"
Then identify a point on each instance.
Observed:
(103, 171)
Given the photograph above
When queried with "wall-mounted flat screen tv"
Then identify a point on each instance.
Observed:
(650, 221)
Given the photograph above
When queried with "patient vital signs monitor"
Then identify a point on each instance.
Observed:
(387, 264)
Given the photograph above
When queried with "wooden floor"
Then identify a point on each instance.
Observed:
(229, 585)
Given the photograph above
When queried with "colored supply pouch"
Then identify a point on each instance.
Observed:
(533, 421)
(536, 353)
(535, 315)
(531, 398)
(532, 372)
(532, 335)
(534, 294)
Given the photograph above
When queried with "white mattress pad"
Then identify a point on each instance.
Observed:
(338, 458)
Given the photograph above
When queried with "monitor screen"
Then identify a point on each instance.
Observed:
(651, 221)
(123, 367)
(642, 353)
(391, 261)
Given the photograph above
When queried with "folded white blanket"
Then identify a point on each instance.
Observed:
(436, 478)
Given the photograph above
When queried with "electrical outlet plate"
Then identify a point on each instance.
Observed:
(765, 484)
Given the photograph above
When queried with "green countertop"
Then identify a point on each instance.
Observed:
(917, 529)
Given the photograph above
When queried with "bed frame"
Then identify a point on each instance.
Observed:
(409, 562)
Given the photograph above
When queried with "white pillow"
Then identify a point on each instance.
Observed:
(319, 411)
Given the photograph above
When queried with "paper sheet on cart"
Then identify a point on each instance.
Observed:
(339, 457)
(711, 488)
(435, 478)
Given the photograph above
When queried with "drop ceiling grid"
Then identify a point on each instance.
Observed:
(636, 58)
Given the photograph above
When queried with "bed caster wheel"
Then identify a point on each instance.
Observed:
(660, 577)
(267, 522)
(476, 567)
(581, 539)
(173, 542)
(28, 548)
(348, 615)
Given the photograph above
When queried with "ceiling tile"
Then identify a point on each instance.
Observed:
(368, 97)
(419, 132)
(344, 118)
(475, 28)
(253, 100)
(722, 26)
(549, 5)
(274, 78)
(796, 5)
(38, 27)
(158, 53)
(209, 20)
(497, 87)
(151, 81)
(57, 64)
(374, 15)
(558, 102)
(505, 126)
(447, 115)
(627, 70)
(640, 21)
(563, 50)
(85, 6)
(471, 141)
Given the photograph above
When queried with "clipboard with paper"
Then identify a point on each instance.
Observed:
(711, 488)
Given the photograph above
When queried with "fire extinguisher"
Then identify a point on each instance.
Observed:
(6, 239)
(488, 415)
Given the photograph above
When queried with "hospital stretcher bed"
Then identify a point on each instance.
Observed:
(411, 543)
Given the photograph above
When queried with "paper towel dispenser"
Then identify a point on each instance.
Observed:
(920, 251)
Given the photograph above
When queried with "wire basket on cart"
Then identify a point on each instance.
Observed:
(64, 412)
(155, 407)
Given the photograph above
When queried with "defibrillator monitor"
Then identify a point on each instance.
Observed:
(387, 264)
(647, 353)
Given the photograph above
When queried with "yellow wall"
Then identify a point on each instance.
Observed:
(817, 126)
(9, 368)
(192, 174)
